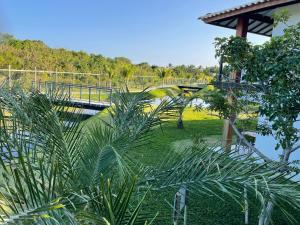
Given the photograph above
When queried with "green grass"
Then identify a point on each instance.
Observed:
(94, 97)
(206, 210)
(162, 92)
(165, 138)
(202, 209)
(170, 140)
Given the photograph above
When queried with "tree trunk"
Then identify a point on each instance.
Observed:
(180, 121)
(286, 154)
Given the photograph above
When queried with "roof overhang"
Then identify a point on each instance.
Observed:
(259, 14)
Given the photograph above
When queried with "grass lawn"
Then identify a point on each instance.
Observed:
(94, 96)
(207, 210)
(168, 139)
(162, 92)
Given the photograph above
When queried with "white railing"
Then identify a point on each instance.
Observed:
(100, 79)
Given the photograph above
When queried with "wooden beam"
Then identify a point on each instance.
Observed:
(234, 28)
(268, 31)
(263, 28)
(261, 18)
(229, 22)
(247, 9)
(250, 23)
(253, 28)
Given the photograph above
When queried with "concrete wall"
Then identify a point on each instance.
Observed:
(267, 143)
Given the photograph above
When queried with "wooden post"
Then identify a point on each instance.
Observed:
(241, 31)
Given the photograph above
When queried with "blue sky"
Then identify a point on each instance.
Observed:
(154, 31)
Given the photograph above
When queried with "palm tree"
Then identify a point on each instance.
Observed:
(181, 100)
(109, 70)
(127, 72)
(59, 172)
(164, 73)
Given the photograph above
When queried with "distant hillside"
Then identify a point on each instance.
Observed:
(28, 54)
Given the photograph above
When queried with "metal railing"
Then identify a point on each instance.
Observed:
(75, 92)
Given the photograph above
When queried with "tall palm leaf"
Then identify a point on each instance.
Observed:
(48, 163)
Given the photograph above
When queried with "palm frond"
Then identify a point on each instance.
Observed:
(45, 158)
(113, 206)
(210, 171)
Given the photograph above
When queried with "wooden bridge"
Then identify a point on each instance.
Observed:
(76, 95)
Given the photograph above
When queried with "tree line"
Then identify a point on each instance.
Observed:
(30, 54)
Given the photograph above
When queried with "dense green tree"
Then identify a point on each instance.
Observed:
(273, 68)
(30, 54)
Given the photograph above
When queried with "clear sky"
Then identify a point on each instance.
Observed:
(154, 31)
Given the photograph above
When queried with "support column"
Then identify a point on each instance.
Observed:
(241, 31)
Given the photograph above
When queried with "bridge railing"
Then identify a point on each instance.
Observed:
(84, 93)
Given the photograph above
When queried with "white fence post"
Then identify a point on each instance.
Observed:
(56, 76)
(9, 76)
(35, 84)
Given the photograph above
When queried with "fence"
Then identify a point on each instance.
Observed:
(25, 78)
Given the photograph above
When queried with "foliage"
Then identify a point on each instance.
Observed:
(273, 69)
(281, 17)
(207, 171)
(181, 100)
(28, 54)
(274, 66)
(56, 171)
(234, 51)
